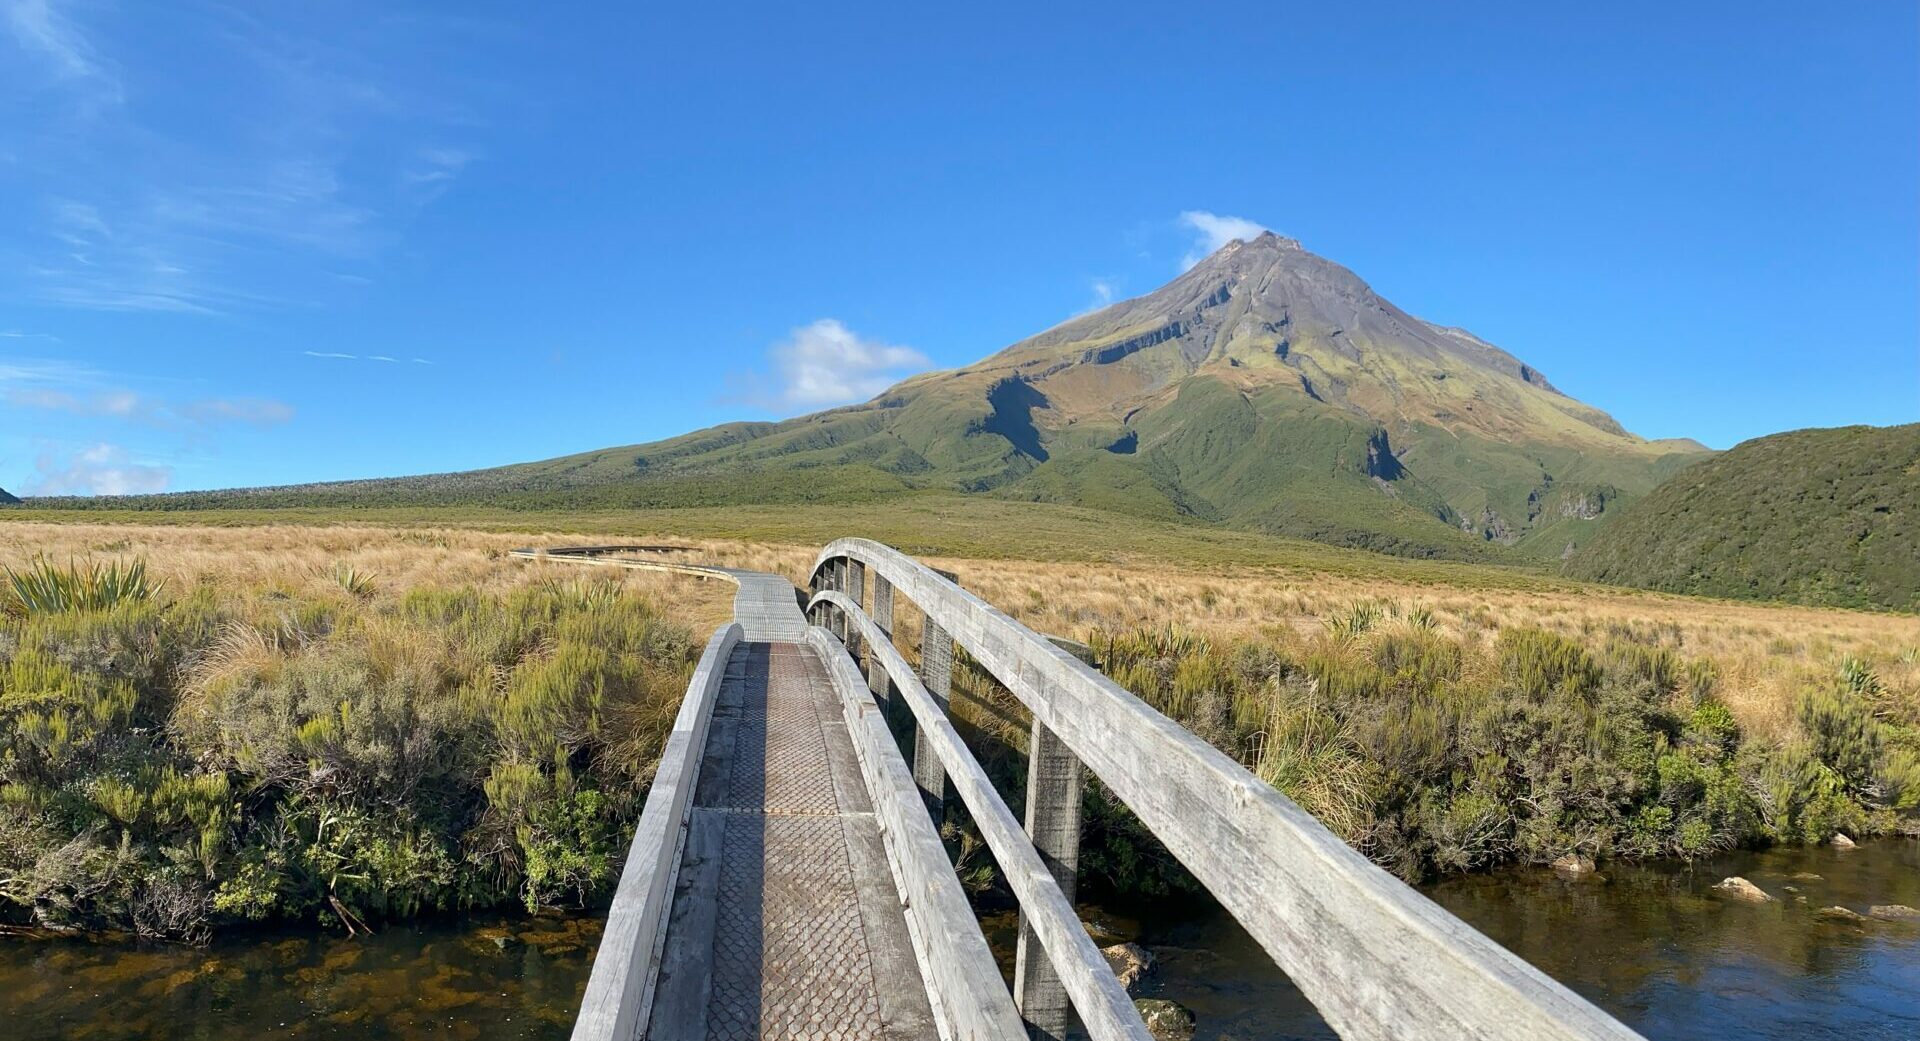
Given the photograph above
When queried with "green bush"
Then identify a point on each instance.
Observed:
(242, 755)
(1432, 754)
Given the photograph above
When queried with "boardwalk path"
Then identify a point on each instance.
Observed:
(785, 921)
(786, 879)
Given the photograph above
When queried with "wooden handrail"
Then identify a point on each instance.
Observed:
(1378, 959)
(619, 993)
(1103, 1004)
(968, 998)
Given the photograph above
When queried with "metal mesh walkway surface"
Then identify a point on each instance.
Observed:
(785, 920)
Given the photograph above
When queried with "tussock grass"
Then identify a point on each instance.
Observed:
(43, 587)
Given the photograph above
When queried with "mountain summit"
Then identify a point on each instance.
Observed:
(1269, 387)
(1265, 388)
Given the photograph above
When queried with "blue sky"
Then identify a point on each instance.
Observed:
(280, 242)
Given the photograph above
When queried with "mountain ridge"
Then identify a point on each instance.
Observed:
(1265, 388)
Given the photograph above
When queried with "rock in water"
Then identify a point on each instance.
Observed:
(1840, 914)
(1573, 865)
(1166, 1020)
(1841, 841)
(1130, 962)
(1894, 913)
(1741, 889)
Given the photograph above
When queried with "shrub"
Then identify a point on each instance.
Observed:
(255, 754)
(1539, 665)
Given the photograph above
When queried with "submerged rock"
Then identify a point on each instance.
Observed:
(1166, 1020)
(1130, 962)
(1740, 889)
(1837, 913)
(1894, 913)
(1573, 865)
(1841, 841)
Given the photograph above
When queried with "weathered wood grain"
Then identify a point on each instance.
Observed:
(1102, 1002)
(625, 966)
(1379, 960)
(970, 1001)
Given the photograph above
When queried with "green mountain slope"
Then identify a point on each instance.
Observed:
(1829, 517)
(1267, 389)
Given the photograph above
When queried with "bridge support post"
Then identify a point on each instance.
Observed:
(1055, 777)
(878, 683)
(856, 591)
(936, 674)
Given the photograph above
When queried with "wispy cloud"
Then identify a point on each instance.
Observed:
(1104, 291)
(140, 408)
(382, 359)
(44, 31)
(826, 363)
(1211, 231)
(100, 469)
(314, 150)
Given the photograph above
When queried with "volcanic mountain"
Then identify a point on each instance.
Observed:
(1266, 388)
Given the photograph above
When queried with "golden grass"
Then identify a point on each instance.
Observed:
(1763, 654)
(301, 559)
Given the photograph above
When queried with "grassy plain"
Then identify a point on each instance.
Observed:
(1060, 569)
(1427, 710)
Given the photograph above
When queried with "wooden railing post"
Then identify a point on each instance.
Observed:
(936, 674)
(878, 683)
(1054, 780)
(855, 591)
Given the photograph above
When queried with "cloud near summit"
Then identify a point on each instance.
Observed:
(1211, 231)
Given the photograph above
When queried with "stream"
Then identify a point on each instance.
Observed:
(1651, 943)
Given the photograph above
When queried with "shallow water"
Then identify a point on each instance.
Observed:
(1652, 944)
(474, 979)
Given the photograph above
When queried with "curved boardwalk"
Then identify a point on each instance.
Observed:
(786, 878)
(784, 922)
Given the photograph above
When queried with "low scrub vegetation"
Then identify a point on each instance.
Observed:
(1436, 753)
(319, 744)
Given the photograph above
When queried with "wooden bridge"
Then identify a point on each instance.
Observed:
(787, 878)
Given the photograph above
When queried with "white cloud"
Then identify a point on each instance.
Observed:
(1211, 231)
(101, 469)
(826, 363)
